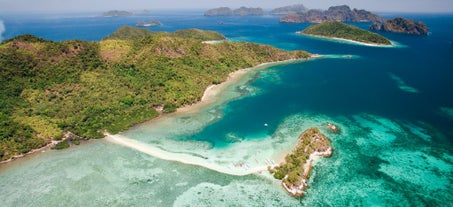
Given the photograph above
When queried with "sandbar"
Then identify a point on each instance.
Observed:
(348, 40)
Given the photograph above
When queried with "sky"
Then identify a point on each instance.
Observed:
(104, 5)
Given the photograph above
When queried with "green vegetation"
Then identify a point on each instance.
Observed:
(199, 34)
(128, 32)
(61, 145)
(310, 141)
(344, 31)
(48, 88)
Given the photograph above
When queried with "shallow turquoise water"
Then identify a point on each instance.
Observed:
(393, 106)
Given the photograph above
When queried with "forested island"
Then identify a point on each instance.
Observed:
(295, 171)
(401, 25)
(345, 31)
(79, 88)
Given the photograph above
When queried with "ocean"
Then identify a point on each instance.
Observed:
(394, 106)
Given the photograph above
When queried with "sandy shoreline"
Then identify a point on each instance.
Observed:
(185, 158)
(239, 166)
(347, 40)
(210, 96)
(211, 93)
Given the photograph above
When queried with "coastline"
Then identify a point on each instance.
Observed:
(41, 149)
(258, 163)
(185, 158)
(211, 92)
(347, 40)
(210, 96)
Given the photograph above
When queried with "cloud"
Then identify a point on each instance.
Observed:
(2, 29)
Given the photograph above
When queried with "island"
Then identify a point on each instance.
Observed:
(344, 31)
(295, 171)
(148, 23)
(53, 91)
(335, 13)
(293, 9)
(401, 25)
(242, 11)
(117, 13)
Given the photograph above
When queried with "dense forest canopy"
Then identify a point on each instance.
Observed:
(345, 31)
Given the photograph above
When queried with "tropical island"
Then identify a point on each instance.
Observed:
(338, 30)
(401, 25)
(295, 171)
(80, 89)
(335, 13)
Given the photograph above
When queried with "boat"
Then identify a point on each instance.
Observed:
(148, 23)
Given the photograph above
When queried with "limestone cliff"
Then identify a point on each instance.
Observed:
(401, 25)
(335, 13)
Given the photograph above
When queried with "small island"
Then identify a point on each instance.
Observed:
(296, 169)
(117, 13)
(338, 30)
(401, 25)
(148, 23)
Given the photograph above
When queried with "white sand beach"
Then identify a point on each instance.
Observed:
(348, 41)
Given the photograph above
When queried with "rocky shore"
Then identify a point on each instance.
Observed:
(295, 171)
(401, 25)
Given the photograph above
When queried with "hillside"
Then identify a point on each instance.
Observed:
(49, 88)
(344, 31)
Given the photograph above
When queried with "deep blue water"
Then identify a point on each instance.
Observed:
(328, 86)
(397, 143)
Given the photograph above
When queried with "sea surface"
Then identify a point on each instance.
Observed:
(394, 106)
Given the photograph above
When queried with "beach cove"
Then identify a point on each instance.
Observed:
(246, 161)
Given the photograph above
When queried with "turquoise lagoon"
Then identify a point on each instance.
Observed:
(393, 106)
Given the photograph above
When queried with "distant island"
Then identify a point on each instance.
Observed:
(52, 92)
(117, 13)
(250, 11)
(148, 23)
(335, 13)
(401, 25)
(122, 13)
(293, 9)
(295, 171)
(345, 31)
(242, 11)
